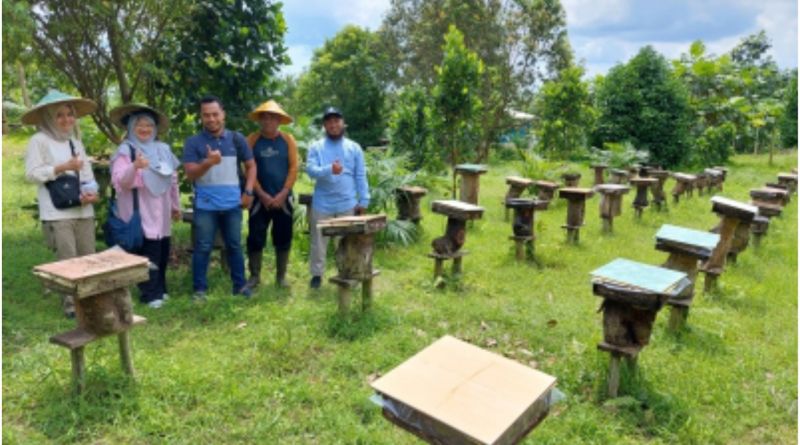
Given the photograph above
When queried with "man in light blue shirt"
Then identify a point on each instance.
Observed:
(336, 163)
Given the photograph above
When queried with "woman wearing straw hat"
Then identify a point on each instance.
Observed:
(147, 167)
(56, 150)
(275, 154)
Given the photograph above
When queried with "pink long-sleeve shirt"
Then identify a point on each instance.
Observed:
(154, 210)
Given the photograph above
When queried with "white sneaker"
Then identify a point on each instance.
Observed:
(155, 304)
(165, 297)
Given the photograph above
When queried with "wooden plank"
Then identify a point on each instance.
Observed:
(350, 225)
(457, 209)
(517, 180)
(79, 337)
(684, 177)
(688, 237)
(735, 209)
(471, 168)
(644, 276)
(89, 266)
(612, 189)
(575, 193)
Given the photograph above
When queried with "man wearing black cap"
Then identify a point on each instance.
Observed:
(336, 163)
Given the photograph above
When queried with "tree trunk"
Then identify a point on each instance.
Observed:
(23, 85)
(122, 79)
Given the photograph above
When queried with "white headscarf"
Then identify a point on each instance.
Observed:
(47, 124)
(158, 176)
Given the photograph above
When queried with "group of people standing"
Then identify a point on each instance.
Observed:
(230, 172)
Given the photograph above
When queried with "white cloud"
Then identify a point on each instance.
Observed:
(301, 58)
(581, 13)
(364, 13)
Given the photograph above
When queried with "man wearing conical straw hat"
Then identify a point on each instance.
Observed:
(275, 154)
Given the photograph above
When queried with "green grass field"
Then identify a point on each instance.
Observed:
(284, 368)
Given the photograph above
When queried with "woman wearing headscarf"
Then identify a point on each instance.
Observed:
(55, 150)
(151, 171)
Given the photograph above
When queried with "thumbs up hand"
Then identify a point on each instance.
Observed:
(141, 162)
(213, 156)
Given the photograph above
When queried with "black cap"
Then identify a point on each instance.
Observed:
(331, 111)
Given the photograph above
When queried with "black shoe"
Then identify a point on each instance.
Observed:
(315, 283)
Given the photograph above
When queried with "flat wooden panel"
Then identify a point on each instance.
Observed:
(518, 181)
(87, 266)
(687, 236)
(352, 225)
(618, 189)
(457, 209)
(644, 276)
(476, 392)
(471, 168)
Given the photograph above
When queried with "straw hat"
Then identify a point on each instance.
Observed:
(270, 106)
(120, 115)
(55, 97)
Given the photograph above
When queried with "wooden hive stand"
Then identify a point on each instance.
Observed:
(470, 181)
(522, 226)
(619, 176)
(448, 246)
(99, 282)
(546, 190)
(576, 198)
(407, 199)
(683, 185)
(632, 293)
(701, 182)
(571, 179)
(724, 171)
(633, 171)
(685, 247)
(516, 187)
(642, 185)
(775, 185)
(610, 203)
(305, 200)
(770, 201)
(599, 173)
(714, 179)
(759, 229)
(659, 197)
(354, 255)
(789, 180)
(732, 214)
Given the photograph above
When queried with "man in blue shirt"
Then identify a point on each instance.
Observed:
(336, 163)
(211, 159)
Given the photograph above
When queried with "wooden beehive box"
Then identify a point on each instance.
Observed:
(457, 209)
(93, 274)
(454, 392)
(683, 240)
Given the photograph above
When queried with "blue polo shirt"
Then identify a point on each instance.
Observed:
(218, 188)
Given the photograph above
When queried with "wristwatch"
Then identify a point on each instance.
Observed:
(248, 192)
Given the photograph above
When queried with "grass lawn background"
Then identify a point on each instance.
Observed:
(284, 368)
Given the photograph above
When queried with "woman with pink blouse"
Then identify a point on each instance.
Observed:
(147, 165)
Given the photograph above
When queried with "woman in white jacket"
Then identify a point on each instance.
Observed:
(56, 149)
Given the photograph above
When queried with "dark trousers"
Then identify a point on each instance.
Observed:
(157, 251)
(281, 232)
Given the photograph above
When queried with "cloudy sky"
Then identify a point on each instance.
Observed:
(602, 32)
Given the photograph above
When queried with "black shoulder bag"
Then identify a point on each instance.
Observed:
(65, 190)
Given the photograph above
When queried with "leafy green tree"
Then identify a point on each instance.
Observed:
(95, 44)
(345, 73)
(520, 42)
(644, 103)
(456, 104)
(229, 48)
(564, 114)
(411, 131)
(788, 123)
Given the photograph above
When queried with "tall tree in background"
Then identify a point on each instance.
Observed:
(411, 131)
(520, 42)
(17, 48)
(346, 73)
(644, 103)
(457, 106)
(788, 122)
(96, 44)
(229, 48)
(564, 114)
